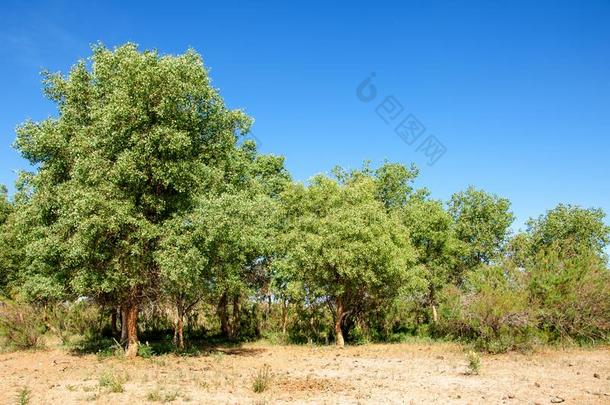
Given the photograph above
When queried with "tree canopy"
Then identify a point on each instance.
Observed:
(145, 198)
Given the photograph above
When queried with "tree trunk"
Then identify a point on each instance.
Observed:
(113, 322)
(131, 325)
(340, 342)
(224, 316)
(123, 326)
(236, 317)
(284, 316)
(180, 330)
(434, 314)
(268, 314)
(179, 327)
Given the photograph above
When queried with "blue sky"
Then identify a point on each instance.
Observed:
(517, 91)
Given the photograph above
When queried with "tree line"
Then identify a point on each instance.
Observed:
(144, 194)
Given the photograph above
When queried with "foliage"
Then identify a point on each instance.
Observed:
(21, 325)
(572, 229)
(573, 294)
(482, 222)
(146, 214)
(67, 320)
(342, 244)
(492, 309)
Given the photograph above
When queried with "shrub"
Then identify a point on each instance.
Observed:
(21, 325)
(81, 318)
(358, 335)
(145, 351)
(492, 310)
(310, 325)
(573, 293)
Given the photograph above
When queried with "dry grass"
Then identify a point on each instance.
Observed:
(421, 373)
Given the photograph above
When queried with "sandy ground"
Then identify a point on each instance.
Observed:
(401, 373)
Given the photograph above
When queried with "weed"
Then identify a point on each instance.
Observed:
(113, 381)
(159, 395)
(103, 348)
(154, 396)
(474, 362)
(23, 397)
(145, 351)
(262, 380)
(158, 362)
(218, 355)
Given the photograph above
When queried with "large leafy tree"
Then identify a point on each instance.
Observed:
(138, 137)
(482, 222)
(220, 248)
(573, 229)
(343, 245)
(432, 234)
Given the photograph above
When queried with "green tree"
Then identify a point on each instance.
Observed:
(432, 233)
(482, 222)
(344, 246)
(7, 251)
(568, 278)
(5, 205)
(137, 138)
(574, 229)
(222, 246)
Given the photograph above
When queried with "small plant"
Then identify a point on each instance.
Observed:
(218, 355)
(23, 397)
(103, 348)
(154, 396)
(159, 395)
(474, 362)
(262, 380)
(145, 351)
(113, 381)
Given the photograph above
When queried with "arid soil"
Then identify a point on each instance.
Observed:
(401, 373)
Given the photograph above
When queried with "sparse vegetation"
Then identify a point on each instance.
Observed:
(262, 379)
(474, 362)
(23, 397)
(113, 381)
(161, 395)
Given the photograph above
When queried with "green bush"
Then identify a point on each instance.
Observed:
(81, 318)
(492, 310)
(310, 325)
(21, 325)
(358, 336)
(573, 294)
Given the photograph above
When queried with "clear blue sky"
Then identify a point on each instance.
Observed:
(517, 91)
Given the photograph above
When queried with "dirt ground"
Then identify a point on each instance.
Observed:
(400, 373)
